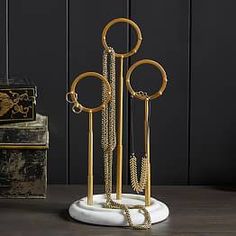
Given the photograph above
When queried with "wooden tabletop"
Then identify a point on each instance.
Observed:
(194, 210)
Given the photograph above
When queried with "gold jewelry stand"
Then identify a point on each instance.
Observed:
(77, 108)
(120, 96)
(102, 209)
(146, 99)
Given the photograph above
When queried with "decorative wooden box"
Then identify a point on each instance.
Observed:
(23, 159)
(17, 100)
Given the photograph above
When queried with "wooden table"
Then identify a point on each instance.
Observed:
(194, 210)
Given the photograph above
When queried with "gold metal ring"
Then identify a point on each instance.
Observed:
(83, 76)
(69, 97)
(136, 28)
(77, 108)
(137, 94)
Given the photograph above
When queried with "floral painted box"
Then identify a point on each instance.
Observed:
(17, 100)
(23, 159)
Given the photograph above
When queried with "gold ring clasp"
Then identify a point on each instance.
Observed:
(77, 108)
(142, 95)
(136, 28)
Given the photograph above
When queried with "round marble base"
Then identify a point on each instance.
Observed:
(99, 215)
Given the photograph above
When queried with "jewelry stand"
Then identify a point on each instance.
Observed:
(137, 211)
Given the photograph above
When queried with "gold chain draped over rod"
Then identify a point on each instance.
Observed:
(147, 99)
(120, 97)
(108, 145)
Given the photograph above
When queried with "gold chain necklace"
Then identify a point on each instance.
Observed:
(109, 144)
(137, 185)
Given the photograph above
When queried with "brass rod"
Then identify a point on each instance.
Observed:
(120, 133)
(147, 151)
(90, 160)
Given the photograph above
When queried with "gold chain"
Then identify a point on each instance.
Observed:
(109, 144)
(138, 185)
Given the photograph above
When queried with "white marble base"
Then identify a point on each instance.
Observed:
(97, 214)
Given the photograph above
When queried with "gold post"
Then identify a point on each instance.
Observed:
(147, 151)
(157, 94)
(90, 160)
(120, 134)
(72, 97)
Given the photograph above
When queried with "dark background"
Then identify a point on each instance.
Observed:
(193, 129)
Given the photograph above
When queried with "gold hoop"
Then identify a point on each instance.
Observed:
(137, 94)
(74, 96)
(136, 28)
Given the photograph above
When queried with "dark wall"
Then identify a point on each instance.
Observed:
(192, 124)
(38, 51)
(164, 25)
(213, 116)
(2, 38)
(85, 48)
